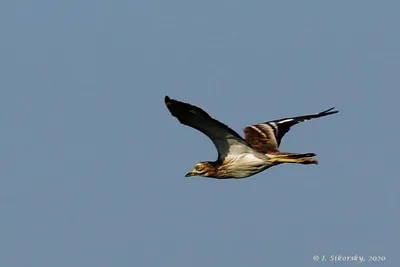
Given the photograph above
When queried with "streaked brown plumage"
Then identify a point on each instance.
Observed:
(238, 157)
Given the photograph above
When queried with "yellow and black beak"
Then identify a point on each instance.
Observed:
(192, 173)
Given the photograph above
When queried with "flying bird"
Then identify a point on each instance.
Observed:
(241, 157)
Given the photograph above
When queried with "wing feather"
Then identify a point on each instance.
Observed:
(267, 136)
(226, 140)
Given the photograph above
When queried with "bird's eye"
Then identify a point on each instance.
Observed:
(198, 167)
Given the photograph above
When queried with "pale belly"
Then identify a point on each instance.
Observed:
(245, 165)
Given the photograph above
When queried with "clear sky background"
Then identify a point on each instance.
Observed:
(92, 163)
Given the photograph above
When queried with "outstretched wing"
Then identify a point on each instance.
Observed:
(266, 137)
(227, 141)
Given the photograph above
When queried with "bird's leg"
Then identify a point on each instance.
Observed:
(289, 160)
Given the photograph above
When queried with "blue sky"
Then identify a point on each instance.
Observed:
(93, 164)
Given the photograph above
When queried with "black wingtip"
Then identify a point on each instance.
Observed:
(329, 111)
(169, 101)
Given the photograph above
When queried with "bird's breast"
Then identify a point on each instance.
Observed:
(244, 165)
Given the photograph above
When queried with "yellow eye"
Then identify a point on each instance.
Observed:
(198, 167)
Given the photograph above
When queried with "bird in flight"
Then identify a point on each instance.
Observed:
(238, 157)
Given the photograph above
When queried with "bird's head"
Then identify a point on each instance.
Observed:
(204, 168)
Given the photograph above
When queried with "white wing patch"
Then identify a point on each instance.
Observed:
(287, 120)
(273, 124)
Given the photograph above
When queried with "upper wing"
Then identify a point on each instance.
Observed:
(227, 141)
(266, 137)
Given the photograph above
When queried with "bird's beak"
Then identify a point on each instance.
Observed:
(190, 174)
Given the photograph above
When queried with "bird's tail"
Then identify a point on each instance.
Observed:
(299, 158)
